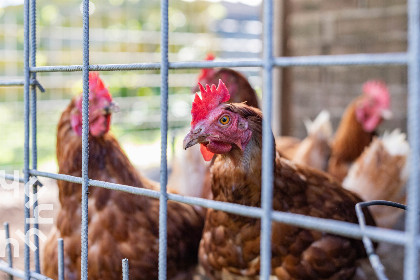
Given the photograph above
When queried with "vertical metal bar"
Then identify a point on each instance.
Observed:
(34, 125)
(267, 148)
(8, 248)
(26, 136)
(60, 248)
(164, 141)
(413, 127)
(125, 269)
(85, 141)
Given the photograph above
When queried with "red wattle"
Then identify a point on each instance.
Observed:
(207, 155)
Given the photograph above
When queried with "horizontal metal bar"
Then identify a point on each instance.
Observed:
(100, 67)
(326, 225)
(10, 177)
(322, 60)
(19, 273)
(146, 66)
(347, 59)
(341, 228)
(96, 183)
(16, 83)
(4, 83)
(248, 211)
(212, 64)
(11, 83)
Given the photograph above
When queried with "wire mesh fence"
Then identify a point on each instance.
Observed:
(411, 58)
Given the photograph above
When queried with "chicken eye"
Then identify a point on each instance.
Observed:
(224, 119)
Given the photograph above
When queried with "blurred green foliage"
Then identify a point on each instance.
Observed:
(115, 26)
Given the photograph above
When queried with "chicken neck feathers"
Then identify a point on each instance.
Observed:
(349, 142)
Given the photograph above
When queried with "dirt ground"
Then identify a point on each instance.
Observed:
(11, 211)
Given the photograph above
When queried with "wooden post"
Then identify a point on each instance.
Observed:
(282, 123)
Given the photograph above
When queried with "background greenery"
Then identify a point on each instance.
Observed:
(121, 31)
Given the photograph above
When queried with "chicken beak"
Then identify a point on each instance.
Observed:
(194, 137)
(386, 114)
(111, 108)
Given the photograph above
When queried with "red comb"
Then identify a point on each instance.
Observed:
(210, 56)
(211, 97)
(377, 89)
(205, 72)
(97, 86)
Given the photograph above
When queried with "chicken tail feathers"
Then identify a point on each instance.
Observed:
(321, 127)
(380, 173)
(396, 143)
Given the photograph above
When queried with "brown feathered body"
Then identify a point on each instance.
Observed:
(287, 146)
(230, 245)
(380, 173)
(121, 225)
(349, 142)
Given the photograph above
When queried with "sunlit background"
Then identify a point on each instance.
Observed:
(121, 31)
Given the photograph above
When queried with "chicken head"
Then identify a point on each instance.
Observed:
(374, 106)
(100, 108)
(214, 126)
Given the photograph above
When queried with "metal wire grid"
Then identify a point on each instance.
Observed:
(411, 58)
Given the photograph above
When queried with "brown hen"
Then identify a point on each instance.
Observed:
(188, 169)
(121, 225)
(357, 127)
(230, 245)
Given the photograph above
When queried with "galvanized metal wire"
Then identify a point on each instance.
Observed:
(21, 83)
(316, 60)
(370, 251)
(268, 144)
(336, 227)
(266, 213)
(85, 142)
(60, 256)
(11, 177)
(34, 131)
(126, 275)
(163, 198)
(26, 48)
(8, 248)
(21, 274)
(411, 257)
(11, 83)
